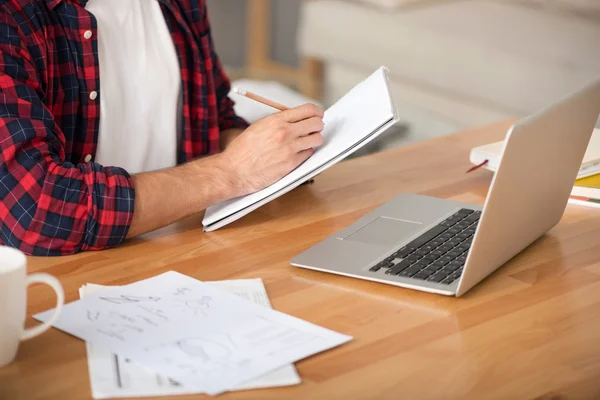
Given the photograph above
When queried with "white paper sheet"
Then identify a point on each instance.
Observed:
(360, 116)
(112, 376)
(192, 332)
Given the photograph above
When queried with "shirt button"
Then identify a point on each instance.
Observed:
(87, 34)
(93, 95)
(88, 158)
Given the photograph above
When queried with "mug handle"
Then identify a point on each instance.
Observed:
(60, 301)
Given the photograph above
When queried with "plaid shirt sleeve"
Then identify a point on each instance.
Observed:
(228, 119)
(49, 206)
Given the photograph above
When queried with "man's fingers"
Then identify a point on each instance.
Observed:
(307, 126)
(301, 113)
(308, 142)
(303, 156)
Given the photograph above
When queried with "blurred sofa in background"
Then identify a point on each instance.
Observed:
(455, 64)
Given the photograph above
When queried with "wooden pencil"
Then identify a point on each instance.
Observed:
(260, 99)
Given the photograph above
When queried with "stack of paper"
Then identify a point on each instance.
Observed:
(355, 120)
(196, 334)
(113, 376)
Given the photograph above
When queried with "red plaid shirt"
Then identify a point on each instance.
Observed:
(54, 199)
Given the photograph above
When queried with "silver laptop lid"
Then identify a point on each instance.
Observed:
(530, 190)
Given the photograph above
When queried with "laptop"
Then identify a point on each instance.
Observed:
(447, 247)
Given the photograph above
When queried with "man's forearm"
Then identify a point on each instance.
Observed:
(163, 197)
(253, 159)
(228, 135)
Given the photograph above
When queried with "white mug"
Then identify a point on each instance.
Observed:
(13, 302)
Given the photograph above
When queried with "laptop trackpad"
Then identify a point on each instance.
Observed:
(385, 232)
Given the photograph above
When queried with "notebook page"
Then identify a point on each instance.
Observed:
(358, 114)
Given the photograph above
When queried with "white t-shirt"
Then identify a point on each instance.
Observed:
(140, 86)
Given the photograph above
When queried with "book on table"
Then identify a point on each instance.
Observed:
(585, 189)
(491, 153)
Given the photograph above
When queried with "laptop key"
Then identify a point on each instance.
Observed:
(446, 248)
(448, 280)
(450, 222)
(454, 242)
(451, 278)
(462, 225)
(458, 266)
(454, 253)
(375, 268)
(429, 259)
(401, 266)
(422, 275)
(474, 217)
(432, 269)
(464, 246)
(445, 237)
(413, 258)
(437, 277)
(453, 266)
(448, 269)
(403, 253)
(446, 259)
(468, 241)
(464, 212)
(385, 264)
(427, 236)
(413, 269)
(438, 264)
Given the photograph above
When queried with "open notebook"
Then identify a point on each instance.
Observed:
(365, 112)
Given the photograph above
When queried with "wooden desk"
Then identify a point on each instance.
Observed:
(530, 331)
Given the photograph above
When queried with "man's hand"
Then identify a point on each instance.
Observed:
(273, 146)
(258, 157)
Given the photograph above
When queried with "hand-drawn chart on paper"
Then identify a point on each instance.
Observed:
(194, 333)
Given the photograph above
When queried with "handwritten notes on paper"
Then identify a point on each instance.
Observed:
(192, 332)
(113, 376)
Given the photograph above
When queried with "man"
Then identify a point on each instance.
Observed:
(100, 100)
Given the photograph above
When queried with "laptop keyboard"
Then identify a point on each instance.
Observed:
(439, 254)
